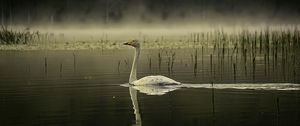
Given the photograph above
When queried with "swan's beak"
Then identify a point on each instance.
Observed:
(126, 43)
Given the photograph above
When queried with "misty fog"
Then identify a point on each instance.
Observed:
(144, 13)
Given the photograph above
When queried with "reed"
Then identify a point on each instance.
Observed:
(61, 69)
(169, 65)
(278, 110)
(150, 63)
(173, 60)
(202, 53)
(211, 67)
(10, 36)
(74, 62)
(119, 64)
(253, 67)
(234, 72)
(196, 62)
(159, 60)
(45, 65)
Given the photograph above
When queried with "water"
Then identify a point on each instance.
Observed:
(89, 88)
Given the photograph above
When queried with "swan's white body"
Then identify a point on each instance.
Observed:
(155, 80)
(148, 80)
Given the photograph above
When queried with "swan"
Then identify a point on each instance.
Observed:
(148, 80)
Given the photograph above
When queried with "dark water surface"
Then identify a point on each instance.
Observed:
(79, 88)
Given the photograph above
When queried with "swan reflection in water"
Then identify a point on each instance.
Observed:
(163, 89)
(149, 90)
(133, 96)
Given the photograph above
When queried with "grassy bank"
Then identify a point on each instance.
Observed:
(245, 39)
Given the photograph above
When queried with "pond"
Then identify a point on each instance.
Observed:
(84, 87)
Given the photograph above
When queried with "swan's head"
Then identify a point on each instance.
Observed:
(133, 43)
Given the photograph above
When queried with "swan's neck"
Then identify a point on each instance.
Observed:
(134, 65)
